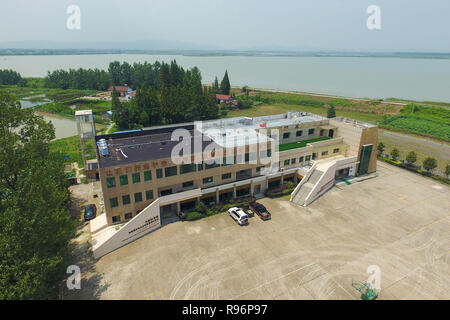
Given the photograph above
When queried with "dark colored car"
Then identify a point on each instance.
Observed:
(90, 212)
(260, 210)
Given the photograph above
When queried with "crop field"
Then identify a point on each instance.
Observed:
(421, 120)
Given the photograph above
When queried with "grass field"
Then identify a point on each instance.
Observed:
(30, 93)
(278, 108)
(68, 146)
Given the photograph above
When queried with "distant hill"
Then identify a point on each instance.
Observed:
(117, 45)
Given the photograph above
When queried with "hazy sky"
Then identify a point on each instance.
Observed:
(407, 25)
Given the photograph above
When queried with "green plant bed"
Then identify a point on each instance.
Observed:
(300, 144)
(281, 191)
(194, 215)
(203, 211)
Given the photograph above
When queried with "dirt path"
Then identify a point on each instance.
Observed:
(109, 127)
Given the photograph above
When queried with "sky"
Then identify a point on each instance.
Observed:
(299, 25)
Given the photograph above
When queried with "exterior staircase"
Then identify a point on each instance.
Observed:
(306, 188)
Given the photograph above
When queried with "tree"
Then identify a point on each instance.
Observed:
(429, 164)
(447, 170)
(331, 112)
(225, 86)
(411, 157)
(35, 226)
(381, 147)
(395, 154)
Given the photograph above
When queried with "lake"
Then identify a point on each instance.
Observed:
(63, 127)
(359, 77)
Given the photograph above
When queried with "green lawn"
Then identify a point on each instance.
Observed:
(300, 144)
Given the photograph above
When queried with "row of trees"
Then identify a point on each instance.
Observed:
(84, 79)
(9, 77)
(35, 226)
(428, 163)
(177, 96)
(136, 76)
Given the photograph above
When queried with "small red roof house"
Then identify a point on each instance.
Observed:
(122, 90)
(221, 98)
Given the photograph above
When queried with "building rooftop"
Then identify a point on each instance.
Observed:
(155, 143)
(119, 88)
(140, 146)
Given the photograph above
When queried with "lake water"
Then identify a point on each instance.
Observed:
(365, 77)
(63, 127)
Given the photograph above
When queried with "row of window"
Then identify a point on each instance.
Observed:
(299, 133)
(126, 199)
(288, 162)
(185, 168)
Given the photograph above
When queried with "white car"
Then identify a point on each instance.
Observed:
(238, 215)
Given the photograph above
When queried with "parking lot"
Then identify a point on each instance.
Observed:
(397, 221)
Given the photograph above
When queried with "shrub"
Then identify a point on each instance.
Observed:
(411, 157)
(395, 154)
(381, 147)
(193, 215)
(429, 164)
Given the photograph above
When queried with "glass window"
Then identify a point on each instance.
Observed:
(113, 202)
(301, 159)
(128, 216)
(126, 199)
(227, 161)
(311, 131)
(258, 169)
(264, 154)
(307, 158)
(186, 168)
(324, 153)
(188, 184)
(170, 171)
(136, 177)
(286, 162)
(200, 167)
(208, 180)
(286, 135)
(149, 194)
(226, 176)
(299, 133)
(147, 175)
(336, 150)
(159, 173)
(116, 219)
(123, 180)
(211, 165)
(138, 197)
(110, 182)
(293, 160)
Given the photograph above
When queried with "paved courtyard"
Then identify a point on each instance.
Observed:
(397, 221)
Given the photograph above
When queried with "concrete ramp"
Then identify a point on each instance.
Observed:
(114, 237)
(320, 178)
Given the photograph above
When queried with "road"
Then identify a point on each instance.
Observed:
(423, 147)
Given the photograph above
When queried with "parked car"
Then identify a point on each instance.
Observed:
(238, 215)
(260, 210)
(90, 212)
